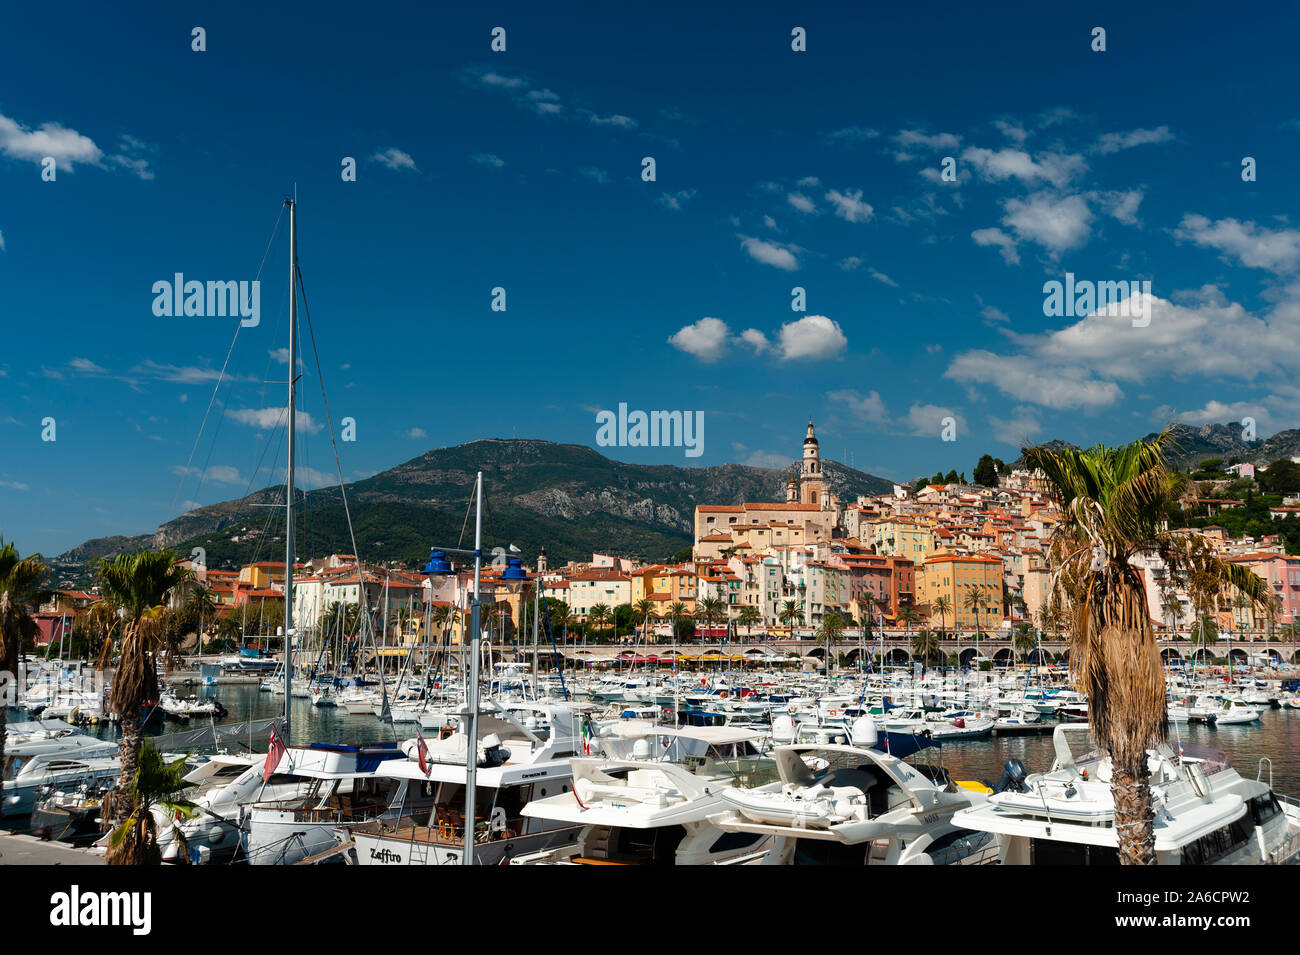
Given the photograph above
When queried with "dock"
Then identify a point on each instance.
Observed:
(20, 849)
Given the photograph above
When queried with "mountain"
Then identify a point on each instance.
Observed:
(1195, 444)
(565, 497)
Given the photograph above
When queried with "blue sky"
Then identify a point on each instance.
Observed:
(522, 169)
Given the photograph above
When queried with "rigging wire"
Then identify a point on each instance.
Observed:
(222, 374)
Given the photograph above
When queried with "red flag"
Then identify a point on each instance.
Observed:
(422, 752)
(273, 755)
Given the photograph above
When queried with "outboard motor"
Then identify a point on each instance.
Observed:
(1013, 777)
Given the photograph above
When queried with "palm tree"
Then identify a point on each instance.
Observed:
(926, 644)
(748, 617)
(1115, 502)
(831, 629)
(907, 615)
(597, 616)
(200, 608)
(644, 609)
(18, 592)
(138, 584)
(155, 783)
(942, 606)
(790, 612)
(97, 622)
(866, 610)
(974, 600)
(711, 610)
(1024, 641)
(677, 613)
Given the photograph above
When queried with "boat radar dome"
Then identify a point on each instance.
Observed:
(641, 749)
(864, 732)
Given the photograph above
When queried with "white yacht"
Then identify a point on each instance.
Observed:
(854, 805)
(518, 761)
(1205, 812)
(650, 805)
(61, 761)
(343, 787)
(223, 786)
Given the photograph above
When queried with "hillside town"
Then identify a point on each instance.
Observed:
(955, 557)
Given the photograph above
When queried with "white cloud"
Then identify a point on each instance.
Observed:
(1114, 142)
(217, 473)
(67, 146)
(1018, 430)
(1274, 250)
(771, 253)
(755, 339)
(770, 223)
(622, 122)
(595, 174)
(927, 421)
(182, 374)
(813, 336)
(907, 139)
(1013, 131)
(705, 339)
(849, 205)
(417, 433)
(87, 367)
(869, 408)
(1122, 206)
(1058, 223)
(394, 158)
(500, 81)
(264, 418)
(1002, 164)
(767, 459)
(882, 277)
(851, 263)
(488, 159)
(801, 202)
(1216, 412)
(994, 315)
(854, 134)
(1026, 378)
(996, 237)
(676, 200)
(15, 485)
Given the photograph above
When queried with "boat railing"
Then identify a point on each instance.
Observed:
(1259, 772)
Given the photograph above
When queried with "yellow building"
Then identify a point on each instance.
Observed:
(953, 576)
(901, 537)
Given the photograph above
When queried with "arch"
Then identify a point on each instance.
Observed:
(1003, 658)
(898, 655)
(1038, 656)
(1203, 655)
(967, 656)
(818, 652)
(852, 655)
(1238, 656)
(1170, 655)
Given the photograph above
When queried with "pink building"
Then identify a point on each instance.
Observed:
(1282, 574)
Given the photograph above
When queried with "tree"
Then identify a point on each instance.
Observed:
(790, 613)
(644, 608)
(1024, 641)
(1115, 502)
(942, 606)
(748, 617)
(711, 610)
(677, 613)
(1281, 477)
(139, 584)
(926, 645)
(831, 630)
(19, 579)
(597, 615)
(908, 616)
(155, 783)
(986, 471)
(974, 600)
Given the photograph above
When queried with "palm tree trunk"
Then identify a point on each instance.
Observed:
(1134, 815)
(129, 752)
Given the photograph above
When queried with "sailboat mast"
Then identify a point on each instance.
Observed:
(291, 424)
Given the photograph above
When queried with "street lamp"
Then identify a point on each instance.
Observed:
(439, 565)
